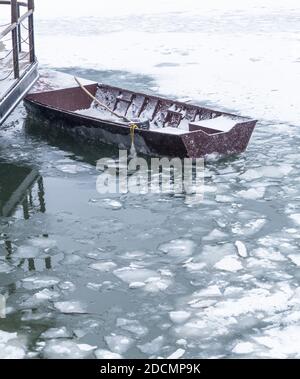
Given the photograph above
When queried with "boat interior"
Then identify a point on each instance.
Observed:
(165, 116)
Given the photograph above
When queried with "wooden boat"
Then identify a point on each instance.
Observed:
(177, 129)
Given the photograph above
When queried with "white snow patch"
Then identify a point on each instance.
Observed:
(229, 263)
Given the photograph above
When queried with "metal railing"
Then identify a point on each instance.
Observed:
(14, 32)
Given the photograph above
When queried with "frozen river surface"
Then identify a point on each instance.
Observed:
(88, 275)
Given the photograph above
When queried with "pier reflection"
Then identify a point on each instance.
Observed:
(22, 195)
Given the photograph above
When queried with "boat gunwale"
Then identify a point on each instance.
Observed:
(240, 119)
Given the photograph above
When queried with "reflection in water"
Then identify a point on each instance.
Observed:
(21, 195)
(45, 130)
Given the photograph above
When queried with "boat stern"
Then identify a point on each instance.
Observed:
(199, 143)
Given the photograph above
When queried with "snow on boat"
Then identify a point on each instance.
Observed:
(176, 129)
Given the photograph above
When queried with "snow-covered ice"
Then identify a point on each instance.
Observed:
(70, 307)
(118, 343)
(228, 263)
(152, 347)
(64, 349)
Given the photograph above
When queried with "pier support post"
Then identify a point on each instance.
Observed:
(15, 42)
(31, 32)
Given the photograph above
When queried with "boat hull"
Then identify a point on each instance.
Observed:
(56, 110)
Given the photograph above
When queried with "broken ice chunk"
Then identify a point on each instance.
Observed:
(70, 307)
(132, 326)
(295, 258)
(252, 193)
(103, 266)
(241, 249)
(152, 347)
(178, 248)
(54, 333)
(119, 344)
(106, 354)
(11, 346)
(37, 282)
(243, 348)
(57, 349)
(231, 264)
(296, 218)
(177, 354)
(179, 317)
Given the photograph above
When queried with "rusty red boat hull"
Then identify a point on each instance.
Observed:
(57, 109)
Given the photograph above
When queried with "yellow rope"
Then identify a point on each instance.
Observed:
(132, 131)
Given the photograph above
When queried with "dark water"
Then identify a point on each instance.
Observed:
(146, 275)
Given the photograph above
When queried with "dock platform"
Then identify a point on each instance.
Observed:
(18, 63)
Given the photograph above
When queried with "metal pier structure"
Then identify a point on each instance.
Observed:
(18, 63)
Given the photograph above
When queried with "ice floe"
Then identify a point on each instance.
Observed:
(268, 254)
(241, 249)
(118, 343)
(281, 342)
(296, 218)
(179, 317)
(178, 248)
(103, 266)
(55, 333)
(267, 171)
(60, 349)
(106, 354)
(136, 275)
(37, 282)
(72, 169)
(244, 348)
(133, 326)
(12, 346)
(179, 353)
(70, 307)
(252, 193)
(295, 258)
(215, 235)
(229, 263)
(152, 347)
